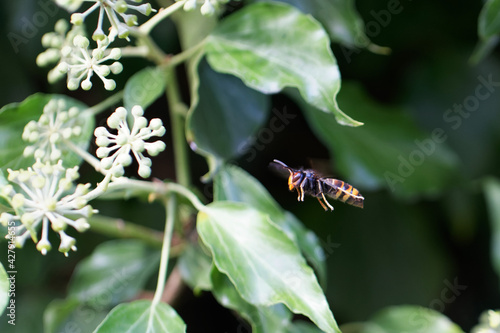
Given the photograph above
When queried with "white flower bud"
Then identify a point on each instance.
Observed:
(144, 171)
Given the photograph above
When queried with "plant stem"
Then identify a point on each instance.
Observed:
(123, 229)
(162, 14)
(165, 251)
(178, 112)
(89, 158)
(118, 228)
(184, 55)
(107, 103)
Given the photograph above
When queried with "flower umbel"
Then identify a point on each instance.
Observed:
(207, 8)
(128, 140)
(82, 63)
(55, 42)
(46, 198)
(114, 10)
(56, 125)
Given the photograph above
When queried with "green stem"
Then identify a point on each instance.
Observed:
(107, 103)
(122, 229)
(178, 111)
(89, 158)
(165, 251)
(159, 188)
(162, 14)
(184, 56)
(118, 228)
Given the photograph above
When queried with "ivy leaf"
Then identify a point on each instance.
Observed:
(492, 193)
(339, 17)
(263, 319)
(61, 314)
(4, 289)
(225, 113)
(142, 316)
(116, 269)
(488, 30)
(410, 319)
(235, 184)
(144, 87)
(15, 116)
(273, 45)
(194, 266)
(264, 265)
(389, 151)
(489, 19)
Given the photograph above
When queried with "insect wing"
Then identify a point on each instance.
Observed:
(342, 191)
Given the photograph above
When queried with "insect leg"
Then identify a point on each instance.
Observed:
(326, 201)
(322, 204)
(301, 188)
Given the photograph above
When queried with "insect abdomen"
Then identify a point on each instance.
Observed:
(344, 192)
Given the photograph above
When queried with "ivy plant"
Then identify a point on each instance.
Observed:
(237, 242)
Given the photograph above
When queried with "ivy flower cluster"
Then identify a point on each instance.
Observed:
(44, 196)
(208, 7)
(56, 126)
(83, 63)
(489, 322)
(114, 10)
(128, 141)
(71, 49)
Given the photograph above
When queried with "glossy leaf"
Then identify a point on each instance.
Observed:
(410, 319)
(194, 266)
(339, 17)
(492, 193)
(144, 87)
(64, 314)
(303, 327)
(4, 289)
(142, 316)
(389, 152)
(264, 265)
(15, 116)
(274, 318)
(488, 30)
(271, 46)
(225, 113)
(114, 272)
(489, 19)
(234, 184)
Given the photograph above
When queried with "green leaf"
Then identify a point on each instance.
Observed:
(492, 193)
(264, 265)
(144, 87)
(225, 113)
(488, 30)
(410, 319)
(489, 19)
(15, 116)
(63, 314)
(235, 184)
(263, 319)
(303, 327)
(116, 270)
(271, 46)
(194, 266)
(4, 289)
(142, 316)
(389, 151)
(339, 17)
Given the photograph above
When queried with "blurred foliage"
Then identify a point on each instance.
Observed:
(401, 249)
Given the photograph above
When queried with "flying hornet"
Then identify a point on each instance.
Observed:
(309, 182)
